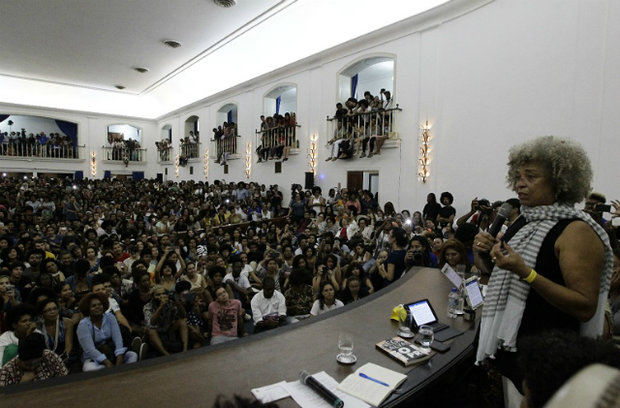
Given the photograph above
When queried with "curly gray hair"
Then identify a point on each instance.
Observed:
(566, 162)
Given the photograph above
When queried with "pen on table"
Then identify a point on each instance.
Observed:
(373, 379)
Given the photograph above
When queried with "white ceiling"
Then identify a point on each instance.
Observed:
(70, 54)
(96, 43)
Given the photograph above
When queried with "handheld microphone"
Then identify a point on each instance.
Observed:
(502, 215)
(320, 389)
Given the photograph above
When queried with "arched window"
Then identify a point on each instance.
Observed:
(190, 142)
(280, 100)
(164, 145)
(225, 133)
(277, 133)
(365, 110)
(124, 143)
(36, 136)
(371, 74)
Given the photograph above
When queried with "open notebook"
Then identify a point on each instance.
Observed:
(372, 383)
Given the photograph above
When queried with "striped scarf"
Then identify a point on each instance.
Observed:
(507, 293)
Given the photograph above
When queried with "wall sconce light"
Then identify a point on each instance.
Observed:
(93, 164)
(424, 160)
(206, 163)
(248, 159)
(313, 152)
(176, 165)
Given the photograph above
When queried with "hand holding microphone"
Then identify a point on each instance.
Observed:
(484, 241)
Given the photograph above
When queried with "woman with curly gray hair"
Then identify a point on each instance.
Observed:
(552, 267)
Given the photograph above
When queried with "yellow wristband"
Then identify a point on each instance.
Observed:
(531, 277)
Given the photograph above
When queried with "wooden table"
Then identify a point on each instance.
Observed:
(195, 378)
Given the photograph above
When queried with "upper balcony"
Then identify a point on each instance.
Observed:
(27, 148)
(361, 134)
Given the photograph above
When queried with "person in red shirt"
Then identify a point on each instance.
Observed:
(225, 318)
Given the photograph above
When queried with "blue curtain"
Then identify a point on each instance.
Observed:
(137, 175)
(278, 102)
(107, 174)
(230, 118)
(195, 126)
(69, 129)
(79, 175)
(3, 117)
(170, 135)
(354, 80)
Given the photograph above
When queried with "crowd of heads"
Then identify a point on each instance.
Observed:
(62, 239)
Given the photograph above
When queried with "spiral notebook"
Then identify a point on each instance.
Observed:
(372, 383)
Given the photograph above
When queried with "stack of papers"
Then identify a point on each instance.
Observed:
(304, 395)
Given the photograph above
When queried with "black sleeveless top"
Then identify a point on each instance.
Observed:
(539, 315)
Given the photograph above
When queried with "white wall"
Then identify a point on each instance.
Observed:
(486, 79)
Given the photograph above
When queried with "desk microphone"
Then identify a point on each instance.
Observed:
(320, 389)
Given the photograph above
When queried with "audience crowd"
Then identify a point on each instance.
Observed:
(108, 272)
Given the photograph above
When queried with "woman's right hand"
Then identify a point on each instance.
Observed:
(483, 242)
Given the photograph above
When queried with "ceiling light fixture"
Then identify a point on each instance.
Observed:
(121, 87)
(225, 3)
(172, 43)
(141, 70)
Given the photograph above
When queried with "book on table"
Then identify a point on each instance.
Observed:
(404, 351)
(372, 383)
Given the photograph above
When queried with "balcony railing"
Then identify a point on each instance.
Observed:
(268, 140)
(226, 147)
(190, 150)
(359, 129)
(19, 149)
(124, 154)
(164, 154)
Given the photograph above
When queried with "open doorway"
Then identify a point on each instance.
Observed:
(364, 180)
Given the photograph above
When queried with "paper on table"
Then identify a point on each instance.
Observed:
(307, 398)
(270, 393)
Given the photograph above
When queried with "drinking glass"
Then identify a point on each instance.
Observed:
(404, 323)
(425, 336)
(345, 345)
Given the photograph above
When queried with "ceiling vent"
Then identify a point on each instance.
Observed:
(141, 70)
(172, 43)
(225, 3)
(121, 87)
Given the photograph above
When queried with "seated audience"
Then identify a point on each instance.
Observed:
(20, 321)
(166, 322)
(100, 336)
(326, 300)
(225, 318)
(268, 307)
(34, 362)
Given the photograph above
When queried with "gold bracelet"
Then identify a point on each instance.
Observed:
(531, 277)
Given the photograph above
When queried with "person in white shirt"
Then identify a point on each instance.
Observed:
(268, 307)
(239, 283)
(326, 300)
